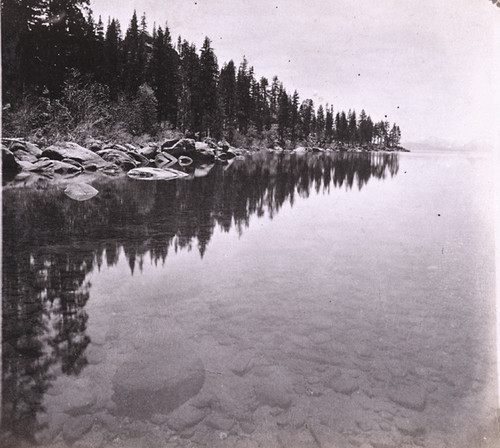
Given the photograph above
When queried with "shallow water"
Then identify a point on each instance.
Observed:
(325, 300)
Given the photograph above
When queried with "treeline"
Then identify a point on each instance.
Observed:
(80, 69)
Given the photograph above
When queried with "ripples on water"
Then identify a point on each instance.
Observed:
(280, 300)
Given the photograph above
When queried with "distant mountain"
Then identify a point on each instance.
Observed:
(436, 144)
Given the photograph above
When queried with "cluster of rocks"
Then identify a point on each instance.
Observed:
(19, 156)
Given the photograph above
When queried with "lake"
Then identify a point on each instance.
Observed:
(284, 300)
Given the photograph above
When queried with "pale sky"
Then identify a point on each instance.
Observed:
(429, 65)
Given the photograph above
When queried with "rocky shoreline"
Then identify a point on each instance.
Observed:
(154, 161)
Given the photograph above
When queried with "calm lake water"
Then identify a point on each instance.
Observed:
(322, 300)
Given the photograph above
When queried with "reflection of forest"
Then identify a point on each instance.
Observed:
(50, 243)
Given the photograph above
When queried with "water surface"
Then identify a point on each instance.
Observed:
(323, 300)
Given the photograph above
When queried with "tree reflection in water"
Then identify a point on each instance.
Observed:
(51, 243)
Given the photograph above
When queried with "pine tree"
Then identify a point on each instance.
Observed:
(243, 97)
(329, 124)
(112, 58)
(227, 98)
(352, 127)
(294, 117)
(283, 115)
(189, 103)
(209, 71)
(320, 123)
(306, 116)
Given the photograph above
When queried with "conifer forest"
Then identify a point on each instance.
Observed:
(66, 73)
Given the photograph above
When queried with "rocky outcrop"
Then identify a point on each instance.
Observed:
(68, 158)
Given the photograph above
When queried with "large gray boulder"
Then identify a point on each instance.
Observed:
(69, 150)
(25, 147)
(25, 156)
(184, 147)
(118, 157)
(157, 380)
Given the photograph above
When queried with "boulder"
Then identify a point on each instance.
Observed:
(169, 143)
(42, 164)
(211, 142)
(69, 150)
(76, 427)
(203, 170)
(26, 147)
(94, 145)
(273, 388)
(61, 167)
(205, 155)
(149, 152)
(25, 156)
(300, 150)
(184, 147)
(73, 162)
(155, 174)
(118, 157)
(157, 380)
(184, 417)
(9, 162)
(409, 397)
(98, 164)
(139, 158)
(80, 191)
(26, 166)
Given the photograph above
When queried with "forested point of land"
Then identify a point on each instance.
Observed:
(66, 74)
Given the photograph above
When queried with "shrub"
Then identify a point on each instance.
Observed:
(140, 113)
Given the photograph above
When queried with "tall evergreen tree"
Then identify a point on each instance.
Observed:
(189, 102)
(294, 117)
(320, 123)
(329, 124)
(306, 116)
(283, 115)
(209, 71)
(112, 58)
(227, 98)
(243, 96)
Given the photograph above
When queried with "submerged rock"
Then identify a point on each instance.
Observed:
(155, 174)
(274, 388)
(410, 397)
(184, 417)
(158, 380)
(76, 427)
(80, 192)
